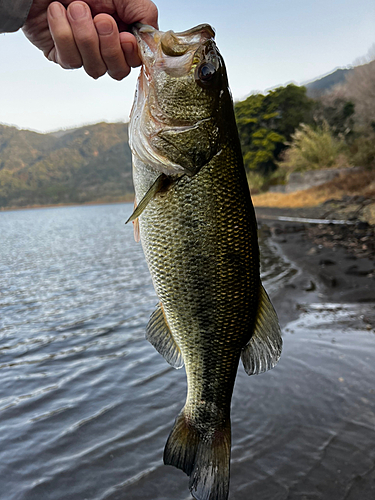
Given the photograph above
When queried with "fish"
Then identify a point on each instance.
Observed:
(196, 222)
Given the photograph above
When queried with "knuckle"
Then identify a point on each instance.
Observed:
(119, 75)
(110, 53)
(86, 42)
(95, 73)
(151, 12)
(69, 63)
(63, 38)
(74, 65)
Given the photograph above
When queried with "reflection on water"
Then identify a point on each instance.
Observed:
(86, 404)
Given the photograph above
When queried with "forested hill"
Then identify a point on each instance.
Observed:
(327, 82)
(87, 164)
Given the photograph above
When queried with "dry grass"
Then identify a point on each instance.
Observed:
(358, 183)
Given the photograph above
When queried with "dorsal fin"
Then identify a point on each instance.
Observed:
(160, 336)
(263, 350)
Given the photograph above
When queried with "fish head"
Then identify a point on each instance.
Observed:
(175, 124)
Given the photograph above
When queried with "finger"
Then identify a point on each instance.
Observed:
(65, 51)
(130, 49)
(143, 11)
(150, 14)
(110, 47)
(86, 38)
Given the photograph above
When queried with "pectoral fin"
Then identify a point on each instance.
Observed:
(156, 186)
(160, 336)
(263, 350)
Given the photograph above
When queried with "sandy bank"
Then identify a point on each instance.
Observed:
(335, 263)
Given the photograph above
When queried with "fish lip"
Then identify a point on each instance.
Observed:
(150, 40)
(198, 29)
(139, 28)
(147, 38)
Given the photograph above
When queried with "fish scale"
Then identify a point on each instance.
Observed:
(199, 235)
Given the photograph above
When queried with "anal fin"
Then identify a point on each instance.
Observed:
(160, 336)
(263, 350)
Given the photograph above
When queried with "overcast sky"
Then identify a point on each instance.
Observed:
(264, 43)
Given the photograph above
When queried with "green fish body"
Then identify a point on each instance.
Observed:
(199, 234)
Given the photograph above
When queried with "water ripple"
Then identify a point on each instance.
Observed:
(86, 404)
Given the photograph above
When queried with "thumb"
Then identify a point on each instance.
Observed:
(143, 11)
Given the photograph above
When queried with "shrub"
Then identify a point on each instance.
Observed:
(362, 151)
(313, 149)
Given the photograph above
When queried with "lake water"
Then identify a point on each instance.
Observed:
(86, 403)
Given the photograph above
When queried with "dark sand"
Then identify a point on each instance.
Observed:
(335, 262)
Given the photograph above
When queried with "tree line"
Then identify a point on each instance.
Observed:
(281, 131)
(285, 130)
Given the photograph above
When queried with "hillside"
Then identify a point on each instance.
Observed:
(87, 164)
(327, 82)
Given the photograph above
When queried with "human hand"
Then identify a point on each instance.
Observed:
(90, 33)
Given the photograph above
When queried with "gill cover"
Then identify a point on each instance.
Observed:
(173, 126)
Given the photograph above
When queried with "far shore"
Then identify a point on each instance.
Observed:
(125, 199)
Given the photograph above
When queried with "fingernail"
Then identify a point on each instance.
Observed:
(77, 11)
(104, 27)
(56, 10)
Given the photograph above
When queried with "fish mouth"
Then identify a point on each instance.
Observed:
(170, 52)
(153, 43)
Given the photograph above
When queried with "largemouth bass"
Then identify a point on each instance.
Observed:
(197, 226)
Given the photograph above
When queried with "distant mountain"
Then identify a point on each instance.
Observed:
(87, 164)
(321, 85)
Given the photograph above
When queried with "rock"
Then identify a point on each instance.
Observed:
(361, 225)
(328, 279)
(310, 287)
(326, 262)
(355, 271)
(312, 251)
(368, 214)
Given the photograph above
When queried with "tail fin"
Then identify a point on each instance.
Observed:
(203, 457)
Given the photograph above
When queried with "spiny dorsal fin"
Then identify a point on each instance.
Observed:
(160, 336)
(156, 186)
(263, 350)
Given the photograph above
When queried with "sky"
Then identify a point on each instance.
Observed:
(264, 43)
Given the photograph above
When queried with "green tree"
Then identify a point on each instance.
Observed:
(291, 107)
(266, 122)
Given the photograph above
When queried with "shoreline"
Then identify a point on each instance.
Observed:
(127, 199)
(329, 270)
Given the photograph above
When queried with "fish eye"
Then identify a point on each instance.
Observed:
(206, 71)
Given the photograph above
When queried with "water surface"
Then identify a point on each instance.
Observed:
(86, 404)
